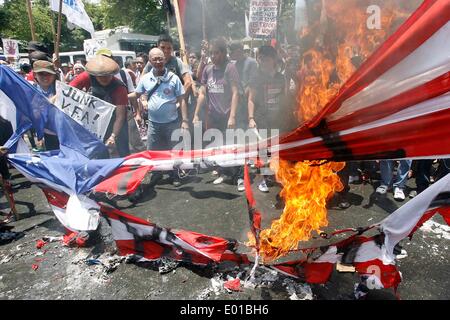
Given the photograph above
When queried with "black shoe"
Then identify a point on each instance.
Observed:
(344, 204)
(176, 182)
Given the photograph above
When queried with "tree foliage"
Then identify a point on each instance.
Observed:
(224, 18)
(143, 16)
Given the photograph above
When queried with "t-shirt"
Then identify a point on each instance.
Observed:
(246, 69)
(83, 82)
(49, 93)
(162, 105)
(119, 97)
(269, 99)
(218, 81)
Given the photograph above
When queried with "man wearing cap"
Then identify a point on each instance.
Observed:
(45, 75)
(102, 84)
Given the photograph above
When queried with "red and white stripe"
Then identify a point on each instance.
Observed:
(398, 102)
(158, 242)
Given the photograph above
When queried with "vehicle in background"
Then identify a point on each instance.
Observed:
(119, 56)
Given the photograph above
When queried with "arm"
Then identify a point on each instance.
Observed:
(184, 113)
(132, 97)
(234, 105)
(251, 108)
(187, 79)
(200, 101)
(121, 115)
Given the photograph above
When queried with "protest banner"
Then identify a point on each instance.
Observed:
(92, 113)
(263, 18)
(11, 48)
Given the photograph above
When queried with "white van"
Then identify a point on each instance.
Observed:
(119, 56)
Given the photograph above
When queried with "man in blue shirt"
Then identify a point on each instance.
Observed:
(163, 90)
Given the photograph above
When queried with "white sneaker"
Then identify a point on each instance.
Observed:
(263, 186)
(219, 180)
(240, 185)
(382, 189)
(399, 194)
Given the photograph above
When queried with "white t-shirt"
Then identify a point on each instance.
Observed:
(129, 83)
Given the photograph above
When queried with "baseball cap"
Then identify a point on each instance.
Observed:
(104, 52)
(44, 66)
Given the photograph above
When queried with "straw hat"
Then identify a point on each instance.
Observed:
(102, 66)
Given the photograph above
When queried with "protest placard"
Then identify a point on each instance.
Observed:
(91, 46)
(11, 48)
(92, 113)
(263, 18)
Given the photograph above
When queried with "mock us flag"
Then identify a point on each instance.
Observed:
(396, 105)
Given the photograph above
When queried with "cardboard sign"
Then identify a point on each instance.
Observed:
(92, 113)
(11, 48)
(91, 46)
(263, 18)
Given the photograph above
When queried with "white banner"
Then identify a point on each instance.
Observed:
(301, 16)
(91, 46)
(75, 13)
(263, 18)
(92, 113)
(11, 48)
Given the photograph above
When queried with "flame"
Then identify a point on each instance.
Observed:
(307, 187)
(341, 43)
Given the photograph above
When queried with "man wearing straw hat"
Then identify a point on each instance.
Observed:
(103, 85)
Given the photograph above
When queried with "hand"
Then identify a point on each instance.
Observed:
(195, 120)
(40, 144)
(185, 125)
(138, 118)
(3, 150)
(252, 124)
(231, 123)
(111, 141)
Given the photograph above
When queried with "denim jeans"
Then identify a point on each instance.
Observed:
(387, 170)
(159, 135)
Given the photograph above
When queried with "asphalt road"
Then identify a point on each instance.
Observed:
(198, 205)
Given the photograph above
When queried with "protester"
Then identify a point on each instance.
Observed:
(102, 82)
(246, 68)
(163, 90)
(386, 170)
(220, 91)
(267, 97)
(173, 64)
(6, 131)
(77, 69)
(45, 75)
(141, 62)
(33, 57)
(130, 67)
(423, 174)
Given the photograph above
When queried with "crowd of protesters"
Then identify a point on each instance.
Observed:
(224, 86)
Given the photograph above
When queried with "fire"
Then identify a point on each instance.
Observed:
(339, 42)
(307, 187)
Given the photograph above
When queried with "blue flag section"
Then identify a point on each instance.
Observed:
(72, 168)
(33, 110)
(65, 174)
